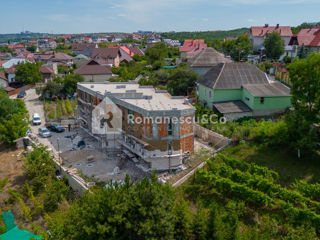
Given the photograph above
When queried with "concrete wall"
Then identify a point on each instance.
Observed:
(247, 98)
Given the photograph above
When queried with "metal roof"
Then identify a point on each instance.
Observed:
(275, 89)
(232, 107)
(233, 76)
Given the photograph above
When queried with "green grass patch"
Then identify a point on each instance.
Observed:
(283, 161)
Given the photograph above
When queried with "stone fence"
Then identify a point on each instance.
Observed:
(217, 141)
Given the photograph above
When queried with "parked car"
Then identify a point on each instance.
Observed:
(56, 128)
(22, 94)
(36, 119)
(44, 132)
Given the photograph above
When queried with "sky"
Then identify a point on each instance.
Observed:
(87, 16)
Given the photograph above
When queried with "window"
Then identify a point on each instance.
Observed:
(205, 92)
(170, 127)
(248, 99)
(209, 94)
(262, 100)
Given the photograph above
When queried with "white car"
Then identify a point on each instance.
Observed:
(44, 132)
(36, 119)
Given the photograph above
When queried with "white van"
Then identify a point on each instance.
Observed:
(36, 119)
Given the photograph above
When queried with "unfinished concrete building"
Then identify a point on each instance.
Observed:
(164, 135)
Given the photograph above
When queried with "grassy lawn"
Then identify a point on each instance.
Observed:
(286, 163)
(60, 109)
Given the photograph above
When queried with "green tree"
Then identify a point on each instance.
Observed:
(144, 210)
(302, 52)
(12, 118)
(70, 83)
(181, 80)
(158, 52)
(13, 128)
(241, 48)
(32, 48)
(274, 46)
(28, 73)
(39, 165)
(305, 90)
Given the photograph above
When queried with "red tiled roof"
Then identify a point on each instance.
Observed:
(127, 50)
(284, 31)
(309, 37)
(2, 62)
(191, 45)
(94, 68)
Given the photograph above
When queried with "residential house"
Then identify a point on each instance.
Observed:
(44, 58)
(157, 140)
(172, 43)
(258, 34)
(80, 59)
(206, 59)
(46, 44)
(309, 37)
(48, 71)
(84, 48)
(62, 58)
(107, 56)
(11, 74)
(192, 45)
(13, 62)
(93, 71)
(241, 89)
(3, 80)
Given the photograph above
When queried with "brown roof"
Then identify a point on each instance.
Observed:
(62, 56)
(83, 46)
(136, 50)
(11, 70)
(207, 57)
(284, 31)
(2, 75)
(94, 68)
(105, 52)
(45, 69)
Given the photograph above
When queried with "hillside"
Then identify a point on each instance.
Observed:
(208, 36)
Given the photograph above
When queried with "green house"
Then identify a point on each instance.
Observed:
(241, 89)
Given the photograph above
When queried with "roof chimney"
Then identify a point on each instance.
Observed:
(277, 25)
(266, 25)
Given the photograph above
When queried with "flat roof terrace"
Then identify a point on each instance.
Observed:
(144, 97)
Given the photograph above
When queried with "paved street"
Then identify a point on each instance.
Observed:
(34, 105)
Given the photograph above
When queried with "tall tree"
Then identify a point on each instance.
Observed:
(180, 80)
(302, 52)
(241, 48)
(305, 78)
(28, 73)
(274, 46)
